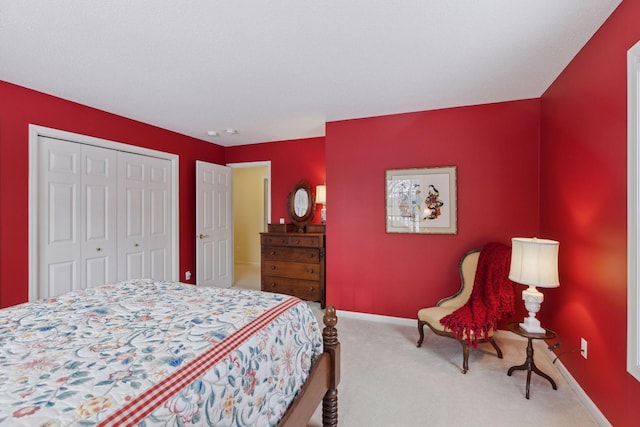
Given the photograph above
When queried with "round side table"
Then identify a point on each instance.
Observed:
(529, 365)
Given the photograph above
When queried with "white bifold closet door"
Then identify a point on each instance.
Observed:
(144, 217)
(103, 215)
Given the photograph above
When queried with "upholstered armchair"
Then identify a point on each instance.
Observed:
(468, 316)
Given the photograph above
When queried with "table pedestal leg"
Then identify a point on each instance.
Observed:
(529, 365)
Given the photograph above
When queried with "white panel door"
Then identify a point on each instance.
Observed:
(100, 213)
(158, 243)
(132, 223)
(77, 216)
(144, 217)
(98, 202)
(59, 245)
(214, 225)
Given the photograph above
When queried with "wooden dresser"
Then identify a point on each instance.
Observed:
(293, 263)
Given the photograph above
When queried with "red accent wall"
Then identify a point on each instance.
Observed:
(19, 108)
(495, 150)
(291, 161)
(583, 205)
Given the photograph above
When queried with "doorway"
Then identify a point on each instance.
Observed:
(251, 214)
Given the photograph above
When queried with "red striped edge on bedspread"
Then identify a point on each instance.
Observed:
(145, 403)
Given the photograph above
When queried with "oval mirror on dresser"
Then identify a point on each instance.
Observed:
(301, 204)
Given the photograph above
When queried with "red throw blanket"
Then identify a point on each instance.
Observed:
(492, 297)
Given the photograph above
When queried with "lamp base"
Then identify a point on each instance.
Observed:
(532, 325)
(532, 300)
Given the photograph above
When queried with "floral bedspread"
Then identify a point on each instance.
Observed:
(154, 353)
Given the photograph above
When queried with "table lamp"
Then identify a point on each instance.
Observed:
(534, 262)
(321, 199)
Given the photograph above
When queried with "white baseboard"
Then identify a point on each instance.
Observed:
(582, 396)
(248, 263)
(376, 318)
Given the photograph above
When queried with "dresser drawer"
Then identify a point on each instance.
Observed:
(287, 253)
(275, 240)
(301, 240)
(297, 270)
(292, 240)
(303, 289)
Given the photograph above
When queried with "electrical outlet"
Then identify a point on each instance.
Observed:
(583, 347)
(187, 275)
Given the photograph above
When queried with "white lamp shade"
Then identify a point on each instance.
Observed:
(321, 194)
(534, 262)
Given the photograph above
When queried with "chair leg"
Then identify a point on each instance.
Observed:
(421, 332)
(495, 345)
(465, 356)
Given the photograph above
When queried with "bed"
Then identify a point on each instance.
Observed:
(153, 353)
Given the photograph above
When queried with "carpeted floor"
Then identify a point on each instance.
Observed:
(387, 382)
(246, 276)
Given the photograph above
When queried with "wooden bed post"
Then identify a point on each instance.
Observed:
(322, 382)
(332, 347)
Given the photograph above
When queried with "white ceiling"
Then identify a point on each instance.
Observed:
(280, 69)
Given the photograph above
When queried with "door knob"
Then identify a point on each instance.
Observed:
(202, 236)
(98, 249)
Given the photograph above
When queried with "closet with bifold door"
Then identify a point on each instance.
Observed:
(104, 216)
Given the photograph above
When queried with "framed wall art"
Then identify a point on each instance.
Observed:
(421, 200)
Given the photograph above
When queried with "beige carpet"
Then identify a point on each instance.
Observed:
(388, 382)
(246, 276)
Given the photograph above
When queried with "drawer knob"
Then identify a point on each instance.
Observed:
(273, 267)
(272, 252)
(311, 271)
(296, 241)
(273, 284)
(310, 288)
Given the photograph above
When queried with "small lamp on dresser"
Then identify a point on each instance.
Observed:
(321, 199)
(534, 262)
